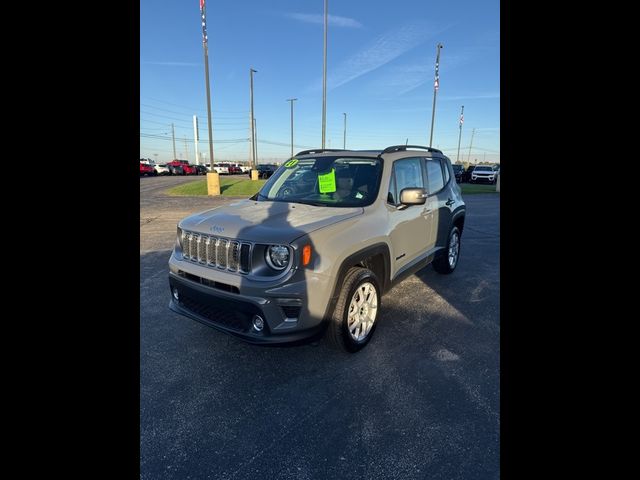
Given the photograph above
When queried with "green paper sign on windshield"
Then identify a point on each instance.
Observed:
(291, 163)
(327, 182)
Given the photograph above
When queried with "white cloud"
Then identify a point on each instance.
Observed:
(382, 50)
(333, 20)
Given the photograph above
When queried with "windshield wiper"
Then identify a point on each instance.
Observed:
(315, 204)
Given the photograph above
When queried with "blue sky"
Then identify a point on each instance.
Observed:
(380, 72)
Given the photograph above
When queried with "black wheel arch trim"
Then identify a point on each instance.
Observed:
(459, 212)
(355, 259)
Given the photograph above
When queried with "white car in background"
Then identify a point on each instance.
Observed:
(221, 169)
(161, 169)
(483, 173)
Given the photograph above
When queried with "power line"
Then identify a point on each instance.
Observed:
(160, 137)
(188, 114)
(180, 119)
(195, 109)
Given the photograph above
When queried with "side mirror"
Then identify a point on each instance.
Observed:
(413, 196)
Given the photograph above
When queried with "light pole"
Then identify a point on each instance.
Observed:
(253, 132)
(205, 46)
(344, 139)
(291, 100)
(173, 137)
(324, 73)
(195, 137)
(460, 134)
(436, 86)
(473, 132)
(255, 135)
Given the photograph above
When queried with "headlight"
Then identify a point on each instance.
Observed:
(277, 257)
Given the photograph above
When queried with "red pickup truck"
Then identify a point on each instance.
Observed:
(187, 169)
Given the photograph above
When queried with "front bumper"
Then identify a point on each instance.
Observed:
(484, 178)
(233, 313)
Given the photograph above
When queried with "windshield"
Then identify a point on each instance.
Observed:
(325, 181)
(484, 169)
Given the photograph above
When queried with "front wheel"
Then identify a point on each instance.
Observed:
(447, 261)
(354, 317)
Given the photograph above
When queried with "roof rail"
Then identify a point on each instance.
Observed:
(319, 150)
(398, 148)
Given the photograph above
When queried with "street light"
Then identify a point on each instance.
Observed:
(344, 140)
(291, 100)
(436, 86)
(324, 73)
(253, 132)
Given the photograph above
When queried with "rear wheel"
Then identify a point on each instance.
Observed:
(354, 317)
(447, 261)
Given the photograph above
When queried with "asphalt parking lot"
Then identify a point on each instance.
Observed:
(422, 400)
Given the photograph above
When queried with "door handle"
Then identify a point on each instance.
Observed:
(449, 202)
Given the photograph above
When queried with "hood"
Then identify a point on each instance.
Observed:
(480, 172)
(265, 222)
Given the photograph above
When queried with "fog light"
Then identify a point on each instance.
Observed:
(258, 323)
(176, 295)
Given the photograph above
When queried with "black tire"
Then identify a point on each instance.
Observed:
(155, 173)
(441, 262)
(338, 332)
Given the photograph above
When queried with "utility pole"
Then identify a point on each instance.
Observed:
(291, 100)
(195, 137)
(324, 73)
(470, 144)
(186, 148)
(436, 86)
(344, 140)
(173, 137)
(252, 121)
(255, 135)
(460, 134)
(205, 46)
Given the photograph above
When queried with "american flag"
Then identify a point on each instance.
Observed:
(436, 83)
(204, 21)
(461, 119)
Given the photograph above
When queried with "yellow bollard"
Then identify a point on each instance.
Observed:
(254, 174)
(213, 183)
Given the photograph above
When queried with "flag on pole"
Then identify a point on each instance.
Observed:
(203, 8)
(436, 83)
(461, 119)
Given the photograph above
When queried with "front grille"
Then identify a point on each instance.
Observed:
(221, 253)
(231, 313)
(229, 318)
(216, 252)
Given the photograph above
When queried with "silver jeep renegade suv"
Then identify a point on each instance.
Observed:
(316, 248)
